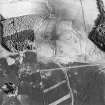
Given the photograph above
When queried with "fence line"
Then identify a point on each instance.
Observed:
(69, 67)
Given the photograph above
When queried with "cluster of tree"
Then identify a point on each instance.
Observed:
(97, 35)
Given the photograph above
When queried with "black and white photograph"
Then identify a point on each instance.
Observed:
(52, 52)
